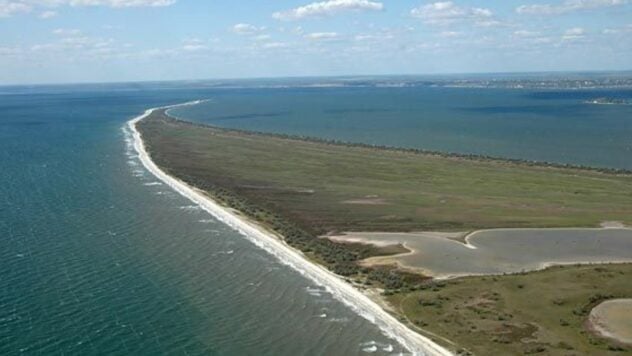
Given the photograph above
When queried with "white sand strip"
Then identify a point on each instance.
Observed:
(341, 290)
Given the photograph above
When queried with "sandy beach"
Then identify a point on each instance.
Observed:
(338, 287)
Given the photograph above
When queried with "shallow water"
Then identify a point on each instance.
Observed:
(507, 250)
(97, 257)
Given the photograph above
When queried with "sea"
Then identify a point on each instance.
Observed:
(99, 258)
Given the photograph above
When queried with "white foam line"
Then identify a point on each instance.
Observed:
(417, 344)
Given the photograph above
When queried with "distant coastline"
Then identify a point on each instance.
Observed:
(608, 101)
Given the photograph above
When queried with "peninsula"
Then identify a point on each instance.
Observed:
(309, 192)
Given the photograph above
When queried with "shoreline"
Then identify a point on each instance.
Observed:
(359, 302)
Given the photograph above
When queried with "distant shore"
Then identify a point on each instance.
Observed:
(342, 290)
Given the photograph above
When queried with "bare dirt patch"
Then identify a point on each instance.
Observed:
(612, 225)
(612, 319)
(365, 201)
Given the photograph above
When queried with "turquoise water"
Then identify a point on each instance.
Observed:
(97, 258)
(544, 125)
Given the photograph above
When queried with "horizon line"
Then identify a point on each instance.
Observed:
(148, 81)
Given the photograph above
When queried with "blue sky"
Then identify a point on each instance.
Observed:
(51, 41)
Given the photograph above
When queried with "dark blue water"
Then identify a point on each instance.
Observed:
(552, 125)
(96, 257)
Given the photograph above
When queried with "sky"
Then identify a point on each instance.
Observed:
(71, 41)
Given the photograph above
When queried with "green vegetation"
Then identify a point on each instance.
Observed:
(302, 189)
(538, 312)
(326, 187)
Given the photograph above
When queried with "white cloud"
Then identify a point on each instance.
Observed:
(78, 42)
(247, 29)
(75, 44)
(262, 37)
(9, 51)
(326, 8)
(47, 15)
(542, 40)
(365, 37)
(9, 8)
(526, 34)
(275, 45)
(450, 34)
(446, 12)
(374, 37)
(112, 3)
(572, 34)
(322, 35)
(575, 31)
(532, 38)
(618, 30)
(193, 45)
(66, 32)
(12, 7)
(567, 6)
(489, 23)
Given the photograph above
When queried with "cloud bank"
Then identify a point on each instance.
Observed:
(447, 12)
(567, 7)
(327, 8)
(12, 7)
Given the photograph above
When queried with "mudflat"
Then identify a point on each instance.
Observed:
(497, 251)
(613, 319)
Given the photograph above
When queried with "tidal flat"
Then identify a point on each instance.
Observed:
(498, 251)
(612, 319)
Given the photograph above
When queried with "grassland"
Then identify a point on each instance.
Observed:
(541, 312)
(302, 189)
(325, 187)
